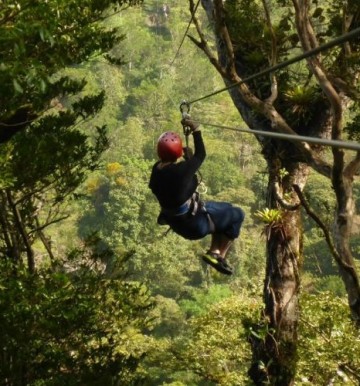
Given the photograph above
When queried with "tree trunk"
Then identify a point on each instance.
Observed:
(274, 344)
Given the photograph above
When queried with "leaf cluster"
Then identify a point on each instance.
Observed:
(328, 345)
(53, 323)
(40, 38)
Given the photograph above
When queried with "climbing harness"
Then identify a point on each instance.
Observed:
(190, 206)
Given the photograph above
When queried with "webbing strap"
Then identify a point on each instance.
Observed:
(211, 223)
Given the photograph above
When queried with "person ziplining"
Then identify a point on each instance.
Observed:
(174, 183)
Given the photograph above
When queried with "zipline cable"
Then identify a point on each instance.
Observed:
(182, 41)
(330, 44)
(298, 138)
(187, 29)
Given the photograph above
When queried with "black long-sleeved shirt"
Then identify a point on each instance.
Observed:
(175, 183)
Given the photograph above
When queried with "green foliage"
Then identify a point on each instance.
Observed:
(316, 254)
(167, 317)
(241, 196)
(39, 39)
(202, 300)
(51, 153)
(50, 161)
(122, 205)
(204, 352)
(269, 216)
(70, 328)
(95, 325)
(328, 342)
(300, 96)
(215, 178)
(213, 335)
(352, 128)
(249, 260)
(6, 177)
(331, 284)
(248, 15)
(302, 100)
(273, 219)
(321, 197)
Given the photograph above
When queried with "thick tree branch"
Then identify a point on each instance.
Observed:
(281, 200)
(203, 45)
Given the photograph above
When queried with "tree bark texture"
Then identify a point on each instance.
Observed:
(274, 356)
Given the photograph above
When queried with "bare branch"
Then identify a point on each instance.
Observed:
(220, 24)
(273, 59)
(205, 48)
(309, 41)
(327, 235)
(203, 45)
(39, 228)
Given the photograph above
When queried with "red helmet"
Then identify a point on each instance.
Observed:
(169, 146)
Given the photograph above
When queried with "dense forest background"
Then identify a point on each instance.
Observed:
(114, 299)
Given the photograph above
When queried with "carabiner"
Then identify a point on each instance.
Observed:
(183, 105)
(185, 114)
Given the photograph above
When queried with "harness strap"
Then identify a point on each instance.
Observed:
(194, 204)
(184, 208)
(211, 222)
(195, 201)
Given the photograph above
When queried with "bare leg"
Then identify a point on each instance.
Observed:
(220, 244)
(215, 243)
(225, 245)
